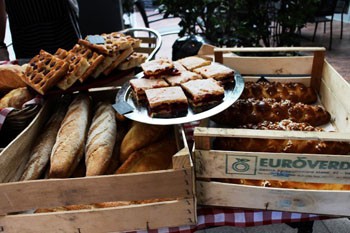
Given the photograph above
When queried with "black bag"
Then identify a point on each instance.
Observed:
(187, 46)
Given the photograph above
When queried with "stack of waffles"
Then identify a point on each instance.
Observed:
(88, 58)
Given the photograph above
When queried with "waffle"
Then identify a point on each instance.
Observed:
(93, 58)
(112, 43)
(121, 57)
(134, 42)
(134, 60)
(44, 71)
(77, 67)
(107, 61)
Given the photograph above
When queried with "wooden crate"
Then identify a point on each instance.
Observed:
(19, 199)
(333, 92)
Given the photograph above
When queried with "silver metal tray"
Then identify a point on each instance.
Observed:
(140, 113)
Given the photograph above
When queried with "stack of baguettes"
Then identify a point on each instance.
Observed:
(83, 138)
(87, 58)
(278, 106)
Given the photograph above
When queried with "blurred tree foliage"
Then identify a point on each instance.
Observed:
(243, 22)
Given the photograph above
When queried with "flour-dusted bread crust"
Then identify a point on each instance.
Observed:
(41, 151)
(70, 141)
(10, 77)
(16, 98)
(101, 140)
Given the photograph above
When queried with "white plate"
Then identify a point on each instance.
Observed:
(140, 113)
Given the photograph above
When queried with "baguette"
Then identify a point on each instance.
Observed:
(40, 154)
(69, 146)
(101, 140)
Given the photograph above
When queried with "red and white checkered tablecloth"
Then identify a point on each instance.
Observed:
(215, 217)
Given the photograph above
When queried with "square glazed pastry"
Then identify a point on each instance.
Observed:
(216, 71)
(139, 86)
(203, 93)
(167, 102)
(178, 67)
(193, 62)
(157, 67)
(184, 76)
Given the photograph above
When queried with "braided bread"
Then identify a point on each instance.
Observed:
(282, 145)
(296, 92)
(253, 111)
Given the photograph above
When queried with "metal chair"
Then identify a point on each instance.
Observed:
(151, 40)
(342, 8)
(324, 14)
(155, 17)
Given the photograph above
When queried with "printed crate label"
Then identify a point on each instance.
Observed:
(250, 165)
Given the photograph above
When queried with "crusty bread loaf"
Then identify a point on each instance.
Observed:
(296, 92)
(253, 111)
(16, 98)
(70, 141)
(10, 77)
(101, 140)
(139, 136)
(282, 145)
(156, 156)
(41, 151)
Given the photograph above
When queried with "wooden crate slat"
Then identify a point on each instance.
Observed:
(151, 216)
(275, 134)
(310, 168)
(335, 97)
(21, 196)
(270, 49)
(305, 201)
(270, 65)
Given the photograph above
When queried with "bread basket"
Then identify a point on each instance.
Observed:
(16, 121)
